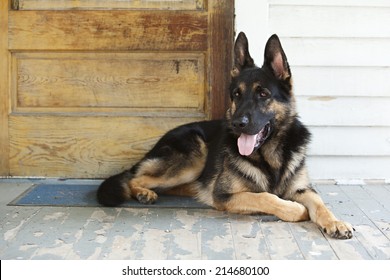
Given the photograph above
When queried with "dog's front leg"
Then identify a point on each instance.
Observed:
(254, 203)
(321, 215)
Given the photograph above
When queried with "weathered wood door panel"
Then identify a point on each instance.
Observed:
(87, 86)
(109, 4)
(108, 80)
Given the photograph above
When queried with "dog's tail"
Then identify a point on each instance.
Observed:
(115, 190)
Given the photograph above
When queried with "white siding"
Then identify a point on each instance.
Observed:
(339, 52)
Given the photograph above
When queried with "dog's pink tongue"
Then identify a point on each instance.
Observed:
(246, 143)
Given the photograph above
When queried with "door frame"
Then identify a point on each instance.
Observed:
(221, 29)
(4, 89)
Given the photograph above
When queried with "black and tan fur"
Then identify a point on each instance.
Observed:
(251, 162)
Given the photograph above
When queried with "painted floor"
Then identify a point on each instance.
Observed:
(192, 234)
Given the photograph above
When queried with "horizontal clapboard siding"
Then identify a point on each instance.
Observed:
(334, 3)
(328, 79)
(338, 51)
(348, 167)
(336, 22)
(362, 141)
(356, 52)
(344, 111)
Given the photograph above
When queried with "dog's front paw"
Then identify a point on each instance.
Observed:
(339, 230)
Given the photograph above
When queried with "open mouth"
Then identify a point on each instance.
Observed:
(247, 143)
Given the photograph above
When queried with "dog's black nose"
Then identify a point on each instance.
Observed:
(241, 122)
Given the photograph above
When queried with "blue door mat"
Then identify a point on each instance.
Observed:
(82, 195)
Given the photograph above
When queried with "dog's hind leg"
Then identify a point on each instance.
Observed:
(174, 179)
(175, 170)
(177, 159)
(173, 176)
(137, 184)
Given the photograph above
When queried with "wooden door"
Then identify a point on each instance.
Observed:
(87, 86)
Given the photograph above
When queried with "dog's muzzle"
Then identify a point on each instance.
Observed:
(248, 143)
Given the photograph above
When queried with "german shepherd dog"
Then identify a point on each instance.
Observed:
(251, 162)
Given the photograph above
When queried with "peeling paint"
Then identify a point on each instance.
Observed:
(38, 233)
(27, 247)
(54, 216)
(192, 234)
(11, 234)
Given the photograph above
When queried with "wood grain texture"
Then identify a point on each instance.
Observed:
(221, 36)
(83, 147)
(110, 4)
(108, 30)
(126, 80)
(4, 90)
(91, 88)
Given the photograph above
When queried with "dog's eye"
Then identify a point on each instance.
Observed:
(237, 93)
(264, 94)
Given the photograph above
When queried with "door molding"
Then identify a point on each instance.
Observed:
(4, 89)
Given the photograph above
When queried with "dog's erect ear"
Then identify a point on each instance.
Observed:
(275, 58)
(242, 58)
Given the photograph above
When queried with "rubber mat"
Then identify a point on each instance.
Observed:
(82, 195)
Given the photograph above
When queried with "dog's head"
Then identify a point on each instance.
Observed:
(261, 98)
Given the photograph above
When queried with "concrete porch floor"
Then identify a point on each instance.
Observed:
(191, 234)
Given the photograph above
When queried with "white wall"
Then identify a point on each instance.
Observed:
(339, 53)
